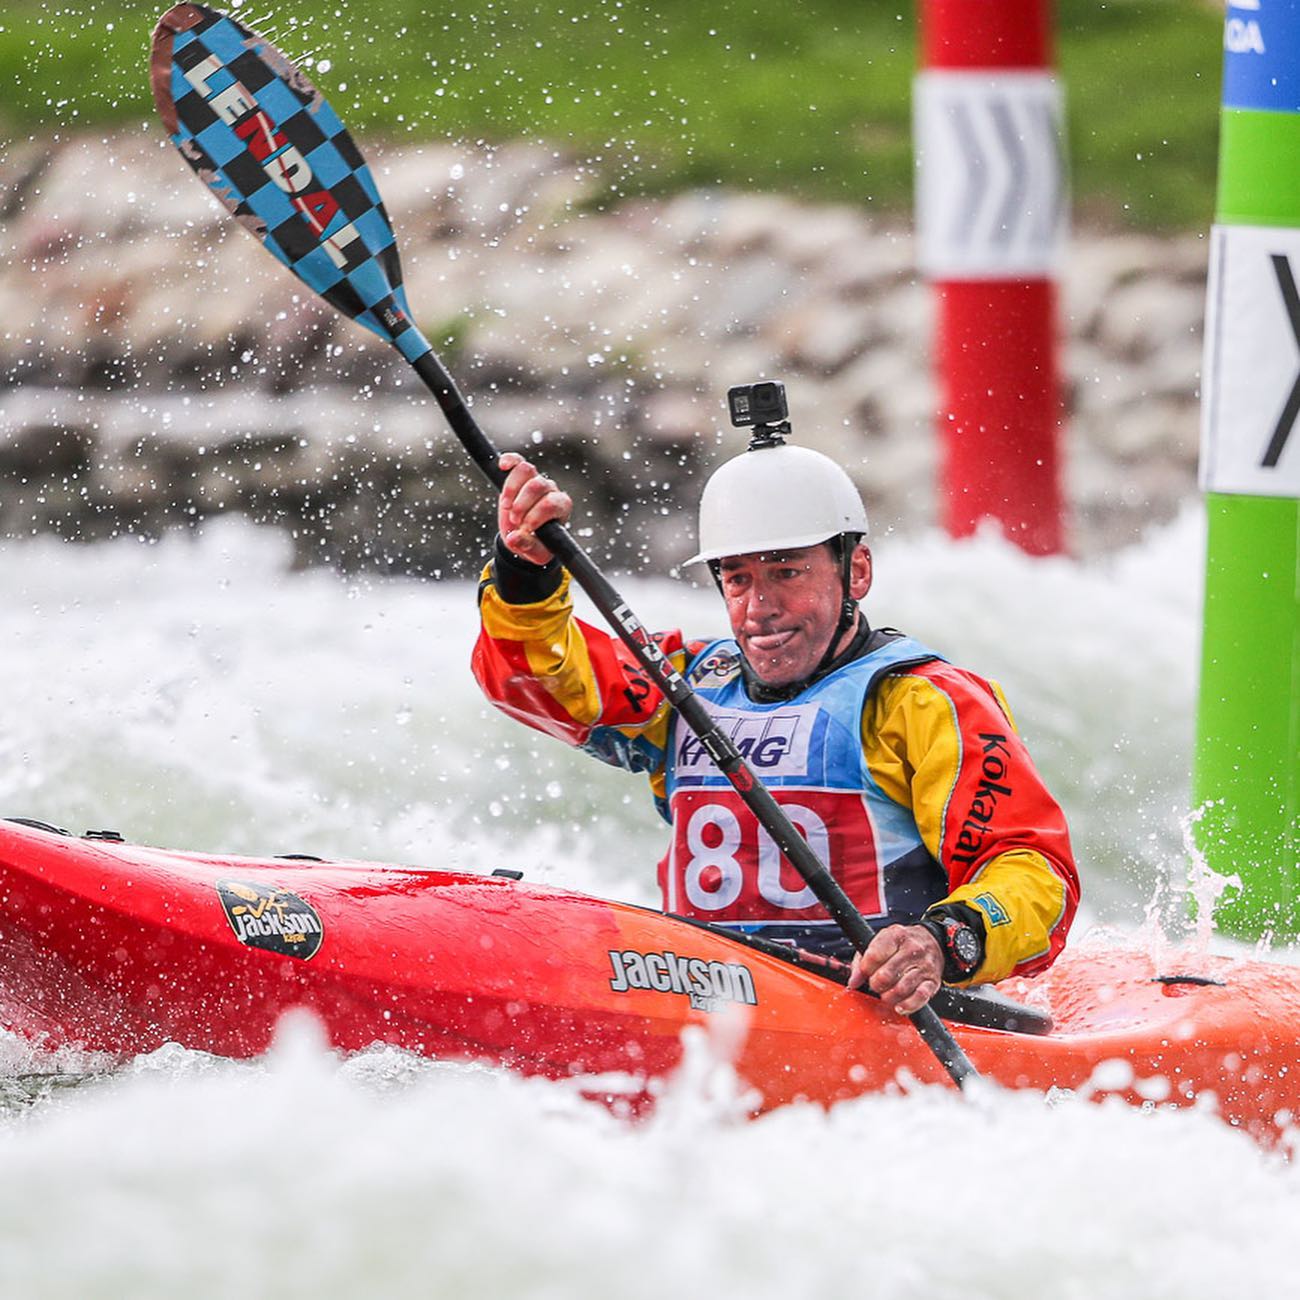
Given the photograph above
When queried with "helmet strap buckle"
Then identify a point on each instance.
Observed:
(846, 543)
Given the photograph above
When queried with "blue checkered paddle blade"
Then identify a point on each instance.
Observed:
(274, 153)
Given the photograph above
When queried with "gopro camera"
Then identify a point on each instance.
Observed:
(757, 404)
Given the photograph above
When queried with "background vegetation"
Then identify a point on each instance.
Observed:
(812, 98)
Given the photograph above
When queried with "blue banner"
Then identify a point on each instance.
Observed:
(1261, 55)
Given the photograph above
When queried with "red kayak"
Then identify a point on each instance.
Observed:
(120, 948)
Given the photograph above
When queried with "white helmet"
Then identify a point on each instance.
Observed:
(776, 498)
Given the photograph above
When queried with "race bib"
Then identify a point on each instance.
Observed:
(724, 866)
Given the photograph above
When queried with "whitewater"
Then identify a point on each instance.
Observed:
(196, 693)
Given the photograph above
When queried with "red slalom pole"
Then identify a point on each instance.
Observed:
(991, 217)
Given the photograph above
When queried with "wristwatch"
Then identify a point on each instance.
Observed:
(960, 942)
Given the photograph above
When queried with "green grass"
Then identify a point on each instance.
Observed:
(1143, 81)
(810, 97)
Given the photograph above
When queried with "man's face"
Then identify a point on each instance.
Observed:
(784, 605)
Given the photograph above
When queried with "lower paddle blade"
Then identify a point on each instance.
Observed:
(279, 160)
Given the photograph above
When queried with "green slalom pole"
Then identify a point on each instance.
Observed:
(1246, 782)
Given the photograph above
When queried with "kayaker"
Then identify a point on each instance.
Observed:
(904, 772)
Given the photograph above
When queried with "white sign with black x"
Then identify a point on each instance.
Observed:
(1250, 405)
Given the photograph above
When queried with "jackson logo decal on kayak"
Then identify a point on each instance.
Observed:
(710, 985)
(275, 920)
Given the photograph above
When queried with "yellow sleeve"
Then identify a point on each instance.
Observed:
(551, 643)
(931, 738)
(557, 674)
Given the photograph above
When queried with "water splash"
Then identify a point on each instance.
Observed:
(194, 694)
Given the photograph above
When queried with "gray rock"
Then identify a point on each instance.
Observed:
(156, 367)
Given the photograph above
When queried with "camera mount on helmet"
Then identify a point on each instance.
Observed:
(763, 408)
(781, 500)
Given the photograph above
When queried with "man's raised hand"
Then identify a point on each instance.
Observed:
(528, 500)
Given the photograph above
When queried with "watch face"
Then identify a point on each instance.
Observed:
(965, 945)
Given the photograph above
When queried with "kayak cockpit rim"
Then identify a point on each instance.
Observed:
(985, 1008)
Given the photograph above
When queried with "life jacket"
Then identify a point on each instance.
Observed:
(723, 867)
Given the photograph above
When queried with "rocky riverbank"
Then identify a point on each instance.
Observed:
(157, 368)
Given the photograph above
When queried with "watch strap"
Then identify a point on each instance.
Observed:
(942, 921)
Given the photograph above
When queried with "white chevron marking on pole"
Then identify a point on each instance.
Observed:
(991, 195)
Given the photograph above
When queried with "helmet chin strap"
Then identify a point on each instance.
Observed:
(847, 543)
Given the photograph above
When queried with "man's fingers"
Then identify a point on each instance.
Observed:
(554, 506)
(889, 972)
(537, 501)
(866, 964)
(902, 966)
(518, 471)
(913, 989)
(520, 475)
(528, 501)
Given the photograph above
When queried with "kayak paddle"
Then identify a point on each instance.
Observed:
(279, 160)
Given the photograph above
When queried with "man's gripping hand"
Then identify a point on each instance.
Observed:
(528, 500)
(903, 964)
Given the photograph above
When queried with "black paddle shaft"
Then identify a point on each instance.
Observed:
(274, 154)
(719, 746)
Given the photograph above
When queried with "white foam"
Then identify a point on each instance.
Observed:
(195, 694)
(300, 1176)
